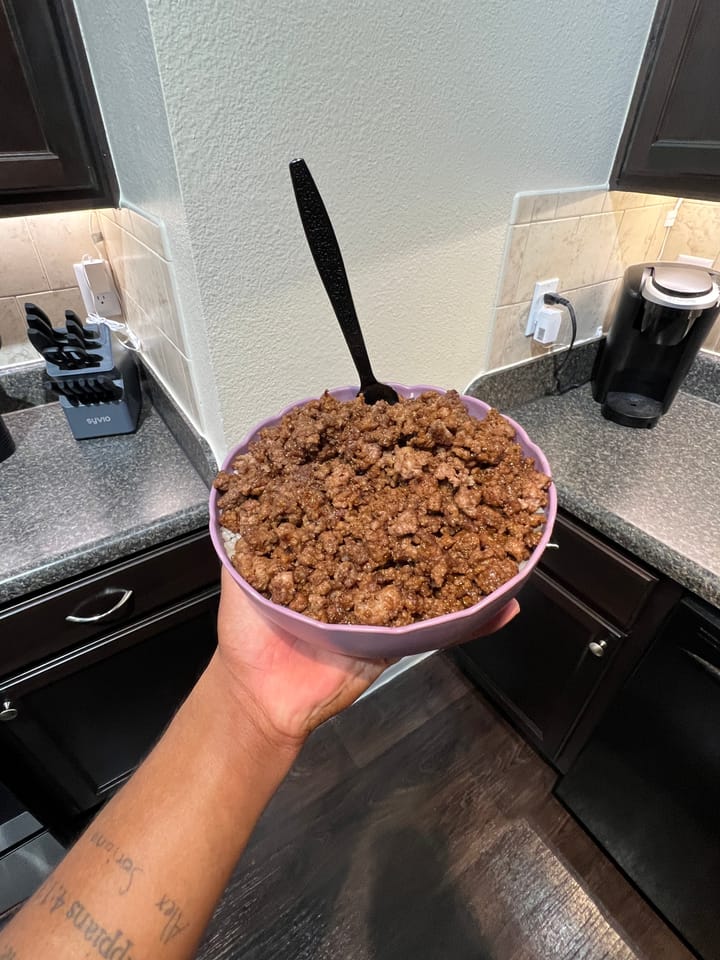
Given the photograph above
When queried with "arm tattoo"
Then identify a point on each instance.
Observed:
(119, 857)
(173, 918)
(108, 945)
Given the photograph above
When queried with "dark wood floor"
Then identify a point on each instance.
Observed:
(419, 826)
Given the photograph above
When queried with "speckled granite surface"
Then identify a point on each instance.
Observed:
(22, 387)
(513, 386)
(68, 507)
(509, 388)
(654, 492)
(194, 446)
(703, 379)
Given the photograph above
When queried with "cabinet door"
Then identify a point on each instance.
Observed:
(671, 142)
(543, 666)
(647, 783)
(76, 727)
(53, 151)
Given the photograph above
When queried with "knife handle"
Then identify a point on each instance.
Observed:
(31, 308)
(74, 325)
(41, 324)
(41, 340)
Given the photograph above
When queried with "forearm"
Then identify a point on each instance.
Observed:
(144, 878)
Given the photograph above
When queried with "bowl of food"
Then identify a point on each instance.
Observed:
(383, 530)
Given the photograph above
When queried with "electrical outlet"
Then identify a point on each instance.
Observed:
(97, 288)
(107, 303)
(541, 288)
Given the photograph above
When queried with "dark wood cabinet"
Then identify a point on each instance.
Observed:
(544, 666)
(587, 613)
(609, 582)
(76, 722)
(671, 141)
(38, 628)
(647, 783)
(53, 150)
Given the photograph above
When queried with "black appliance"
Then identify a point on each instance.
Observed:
(647, 783)
(27, 852)
(664, 314)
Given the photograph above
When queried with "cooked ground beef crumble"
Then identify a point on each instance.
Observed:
(380, 514)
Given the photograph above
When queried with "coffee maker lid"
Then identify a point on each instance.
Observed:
(680, 285)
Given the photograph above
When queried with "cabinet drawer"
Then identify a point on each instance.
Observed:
(103, 601)
(602, 577)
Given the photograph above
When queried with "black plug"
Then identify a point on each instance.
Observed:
(555, 298)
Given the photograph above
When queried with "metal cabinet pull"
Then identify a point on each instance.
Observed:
(597, 647)
(101, 616)
(8, 712)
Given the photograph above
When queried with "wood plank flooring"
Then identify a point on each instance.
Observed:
(420, 826)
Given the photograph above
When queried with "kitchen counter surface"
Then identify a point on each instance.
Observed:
(68, 507)
(655, 492)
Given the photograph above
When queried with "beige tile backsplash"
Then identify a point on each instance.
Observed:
(587, 238)
(61, 240)
(36, 258)
(36, 263)
(696, 231)
(136, 249)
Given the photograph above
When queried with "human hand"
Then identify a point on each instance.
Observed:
(291, 686)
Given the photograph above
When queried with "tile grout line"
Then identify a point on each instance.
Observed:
(522, 257)
(616, 242)
(37, 254)
(138, 240)
(573, 216)
(582, 286)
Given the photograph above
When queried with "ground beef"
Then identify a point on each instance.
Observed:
(380, 514)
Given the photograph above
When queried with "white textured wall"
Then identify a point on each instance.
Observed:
(419, 121)
(122, 58)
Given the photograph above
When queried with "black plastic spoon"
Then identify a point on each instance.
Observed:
(329, 262)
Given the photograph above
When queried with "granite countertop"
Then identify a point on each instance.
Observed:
(70, 506)
(655, 492)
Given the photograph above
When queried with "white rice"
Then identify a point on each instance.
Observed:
(229, 541)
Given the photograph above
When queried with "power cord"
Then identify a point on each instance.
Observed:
(555, 298)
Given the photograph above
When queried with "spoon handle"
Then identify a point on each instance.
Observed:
(329, 262)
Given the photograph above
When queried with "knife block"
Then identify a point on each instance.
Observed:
(104, 348)
(103, 419)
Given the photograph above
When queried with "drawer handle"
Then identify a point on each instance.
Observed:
(597, 647)
(707, 667)
(8, 712)
(101, 616)
(552, 546)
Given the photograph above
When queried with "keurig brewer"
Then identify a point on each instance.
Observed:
(664, 314)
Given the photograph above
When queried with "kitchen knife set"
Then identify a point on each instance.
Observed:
(99, 394)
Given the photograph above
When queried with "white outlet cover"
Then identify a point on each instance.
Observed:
(541, 288)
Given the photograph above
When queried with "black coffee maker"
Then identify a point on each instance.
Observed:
(665, 312)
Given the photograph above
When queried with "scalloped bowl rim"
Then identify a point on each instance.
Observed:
(507, 589)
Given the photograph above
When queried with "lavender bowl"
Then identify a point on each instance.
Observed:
(370, 642)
